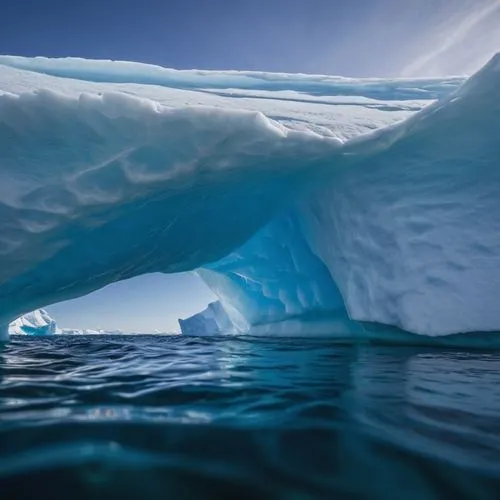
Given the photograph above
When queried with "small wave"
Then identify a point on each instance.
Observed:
(145, 416)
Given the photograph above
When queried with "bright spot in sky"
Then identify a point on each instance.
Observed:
(459, 41)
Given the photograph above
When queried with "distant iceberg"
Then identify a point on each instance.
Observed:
(300, 200)
(87, 331)
(37, 323)
(211, 321)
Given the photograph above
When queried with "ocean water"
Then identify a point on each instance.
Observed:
(151, 417)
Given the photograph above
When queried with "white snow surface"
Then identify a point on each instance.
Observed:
(295, 196)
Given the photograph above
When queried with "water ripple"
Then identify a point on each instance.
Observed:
(138, 417)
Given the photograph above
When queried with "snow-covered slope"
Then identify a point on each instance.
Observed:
(297, 197)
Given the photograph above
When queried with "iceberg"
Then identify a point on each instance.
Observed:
(308, 204)
(85, 331)
(100, 331)
(211, 321)
(37, 323)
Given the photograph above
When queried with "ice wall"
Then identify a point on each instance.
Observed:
(273, 277)
(414, 236)
(401, 233)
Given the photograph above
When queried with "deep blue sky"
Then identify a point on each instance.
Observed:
(346, 37)
(279, 35)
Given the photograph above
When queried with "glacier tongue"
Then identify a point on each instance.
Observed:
(328, 213)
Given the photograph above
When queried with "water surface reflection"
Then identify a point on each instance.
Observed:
(136, 417)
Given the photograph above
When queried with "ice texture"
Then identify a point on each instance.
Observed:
(306, 203)
(37, 323)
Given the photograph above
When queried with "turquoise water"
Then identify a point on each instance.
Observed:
(152, 417)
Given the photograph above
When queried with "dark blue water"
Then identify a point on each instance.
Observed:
(173, 417)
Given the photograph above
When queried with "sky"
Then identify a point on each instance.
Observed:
(346, 37)
(143, 304)
(360, 38)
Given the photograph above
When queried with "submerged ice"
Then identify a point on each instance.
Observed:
(307, 204)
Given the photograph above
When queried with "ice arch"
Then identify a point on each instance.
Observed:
(102, 188)
(400, 226)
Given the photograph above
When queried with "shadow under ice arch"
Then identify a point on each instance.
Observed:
(400, 226)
